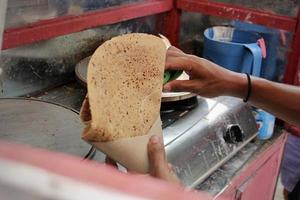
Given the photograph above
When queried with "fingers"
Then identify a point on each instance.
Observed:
(159, 167)
(173, 51)
(181, 86)
(179, 63)
(156, 154)
(172, 48)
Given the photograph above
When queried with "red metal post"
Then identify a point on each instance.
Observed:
(297, 77)
(229, 11)
(171, 25)
(44, 30)
(293, 58)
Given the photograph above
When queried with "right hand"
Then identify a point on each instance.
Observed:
(206, 78)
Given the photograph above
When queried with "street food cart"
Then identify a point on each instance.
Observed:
(46, 46)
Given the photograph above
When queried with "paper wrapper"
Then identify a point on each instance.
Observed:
(132, 152)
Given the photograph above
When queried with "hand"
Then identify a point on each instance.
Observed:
(158, 165)
(206, 78)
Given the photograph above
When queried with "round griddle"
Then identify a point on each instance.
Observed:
(43, 125)
(81, 70)
(81, 74)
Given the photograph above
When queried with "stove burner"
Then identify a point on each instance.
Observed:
(169, 118)
(174, 110)
(185, 104)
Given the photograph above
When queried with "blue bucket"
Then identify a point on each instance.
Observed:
(233, 49)
(269, 70)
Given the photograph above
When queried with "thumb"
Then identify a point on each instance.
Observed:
(156, 154)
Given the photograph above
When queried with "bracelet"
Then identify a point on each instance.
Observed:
(249, 88)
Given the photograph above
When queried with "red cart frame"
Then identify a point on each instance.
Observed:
(47, 29)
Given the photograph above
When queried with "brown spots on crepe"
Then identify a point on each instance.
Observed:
(128, 69)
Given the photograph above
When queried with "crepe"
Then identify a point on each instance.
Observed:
(124, 82)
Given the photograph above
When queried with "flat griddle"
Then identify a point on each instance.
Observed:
(81, 70)
(81, 74)
(43, 125)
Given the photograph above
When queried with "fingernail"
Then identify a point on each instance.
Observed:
(154, 139)
(166, 88)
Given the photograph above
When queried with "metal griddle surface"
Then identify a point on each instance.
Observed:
(43, 125)
(81, 70)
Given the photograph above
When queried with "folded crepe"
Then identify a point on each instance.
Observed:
(124, 80)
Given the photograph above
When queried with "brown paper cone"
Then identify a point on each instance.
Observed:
(131, 152)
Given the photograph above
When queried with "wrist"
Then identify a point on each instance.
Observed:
(236, 85)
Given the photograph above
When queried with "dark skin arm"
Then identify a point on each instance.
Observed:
(281, 100)
(210, 80)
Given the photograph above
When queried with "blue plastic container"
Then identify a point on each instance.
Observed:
(266, 123)
(233, 49)
(269, 70)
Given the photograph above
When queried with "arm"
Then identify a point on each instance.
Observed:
(210, 80)
(281, 100)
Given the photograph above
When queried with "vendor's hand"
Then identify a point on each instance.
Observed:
(206, 78)
(158, 165)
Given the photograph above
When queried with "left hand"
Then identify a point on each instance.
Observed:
(159, 167)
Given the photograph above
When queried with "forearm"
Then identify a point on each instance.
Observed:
(281, 100)
(210, 80)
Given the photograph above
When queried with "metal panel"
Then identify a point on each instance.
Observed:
(196, 150)
(172, 132)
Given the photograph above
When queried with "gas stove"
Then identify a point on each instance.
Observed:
(199, 139)
(199, 134)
